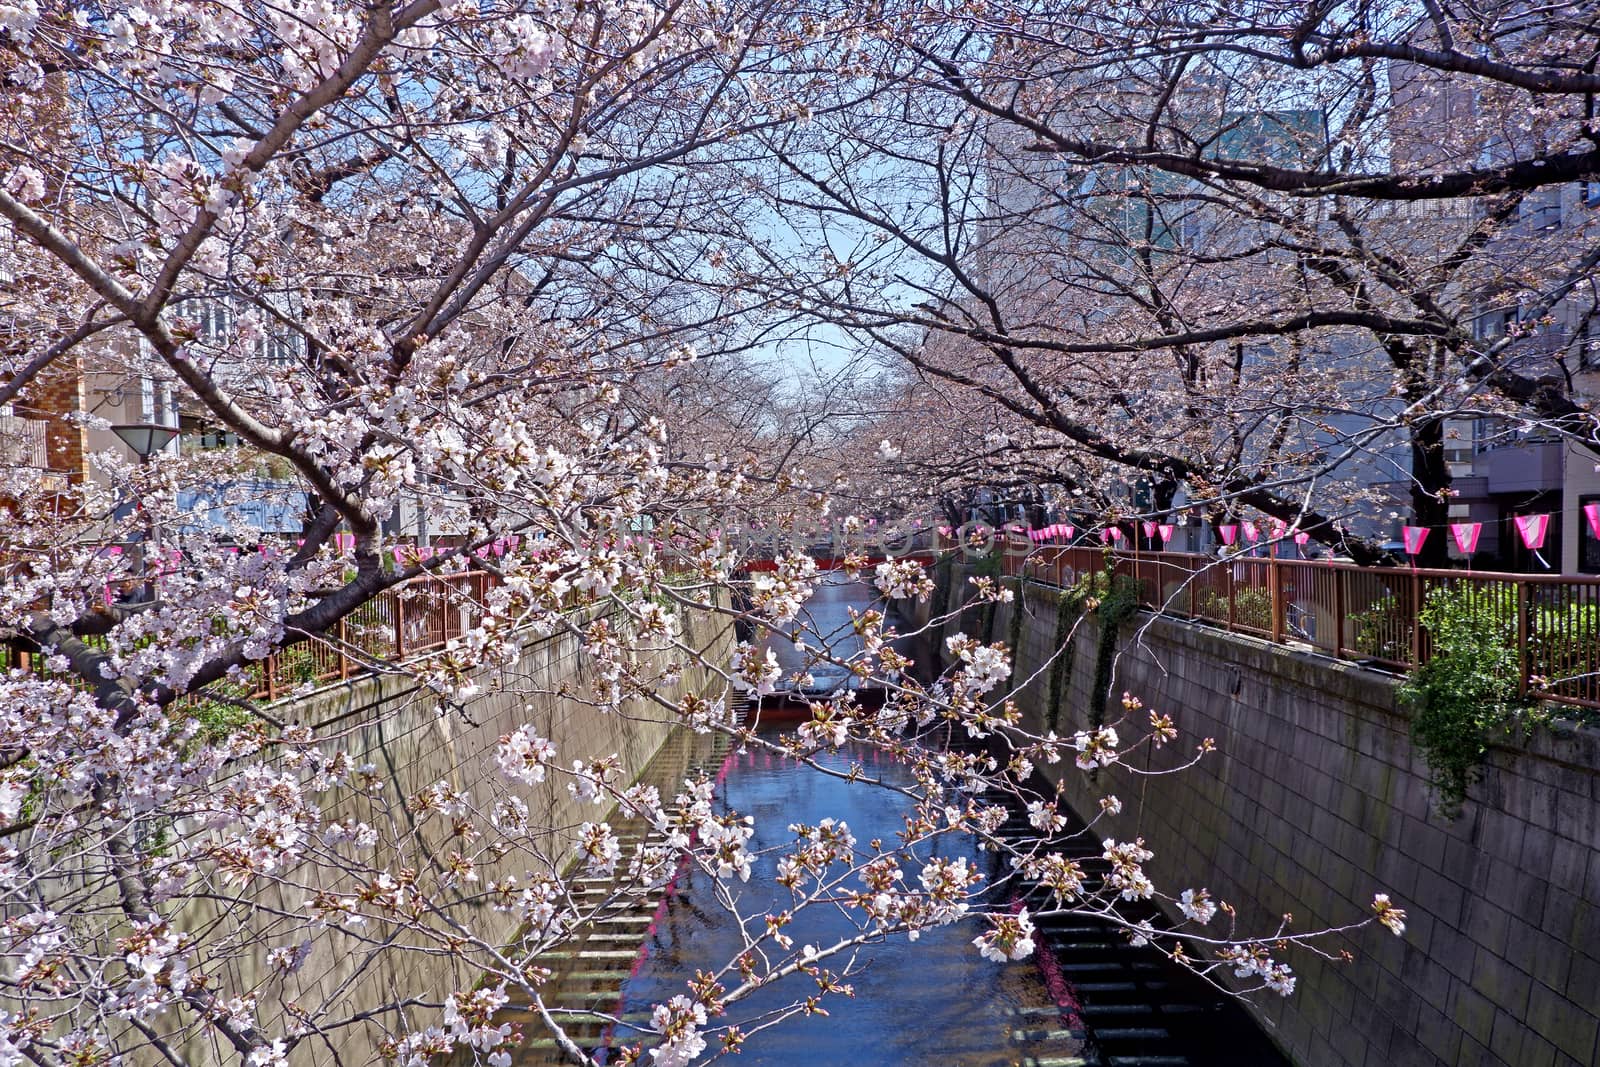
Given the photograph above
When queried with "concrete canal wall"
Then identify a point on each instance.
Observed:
(413, 743)
(1316, 800)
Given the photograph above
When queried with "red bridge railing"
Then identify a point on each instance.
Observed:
(1351, 612)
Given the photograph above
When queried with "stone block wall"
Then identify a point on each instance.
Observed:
(413, 742)
(1316, 800)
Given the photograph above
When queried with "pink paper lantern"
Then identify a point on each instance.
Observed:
(1532, 528)
(1069, 532)
(1166, 530)
(1252, 532)
(1466, 535)
(1592, 513)
(1301, 537)
(1149, 531)
(1413, 536)
(1229, 532)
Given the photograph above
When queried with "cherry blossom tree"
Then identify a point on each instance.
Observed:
(1275, 256)
(461, 259)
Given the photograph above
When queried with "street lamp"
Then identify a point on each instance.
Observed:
(146, 439)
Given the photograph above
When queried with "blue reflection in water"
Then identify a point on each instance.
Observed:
(935, 1001)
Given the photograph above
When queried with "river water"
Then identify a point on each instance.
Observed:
(1088, 998)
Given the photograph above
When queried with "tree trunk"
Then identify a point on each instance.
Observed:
(1430, 501)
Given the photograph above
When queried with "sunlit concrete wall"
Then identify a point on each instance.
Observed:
(413, 741)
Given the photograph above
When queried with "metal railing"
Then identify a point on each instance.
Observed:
(405, 621)
(23, 442)
(411, 619)
(1368, 615)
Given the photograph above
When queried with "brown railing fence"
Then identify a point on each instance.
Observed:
(1350, 612)
(411, 619)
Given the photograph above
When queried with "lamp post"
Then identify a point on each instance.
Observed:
(146, 439)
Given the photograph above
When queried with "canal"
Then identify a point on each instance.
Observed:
(1088, 998)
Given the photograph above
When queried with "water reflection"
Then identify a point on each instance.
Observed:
(825, 625)
(935, 1001)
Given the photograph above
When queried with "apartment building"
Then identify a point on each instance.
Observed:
(1506, 466)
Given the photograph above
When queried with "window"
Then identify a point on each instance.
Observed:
(1541, 208)
(1495, 324)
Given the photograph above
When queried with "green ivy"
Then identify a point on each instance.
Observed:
(1119, 604)
(1069, 609)
(1467, 691)
(988, 567)
(1014, 635)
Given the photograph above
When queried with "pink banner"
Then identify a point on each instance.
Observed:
(1165, 530)
(1466, 535)
(1414, 536)
(1532, 528)
(1592, 513)
(1068, 531)
(1229, 533)
(1252, 532)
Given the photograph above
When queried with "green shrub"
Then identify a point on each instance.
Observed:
(1468, 690)
(1378, 632)
(1252, 606)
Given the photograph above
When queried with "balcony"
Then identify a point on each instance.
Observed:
(22, 443)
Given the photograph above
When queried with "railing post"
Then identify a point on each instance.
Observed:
(1338, 614)
(1416, 618)
(399, 626)
(1275, 595)
(271, 667)
(1522, 638)
(1227, 572)
(344, 645)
